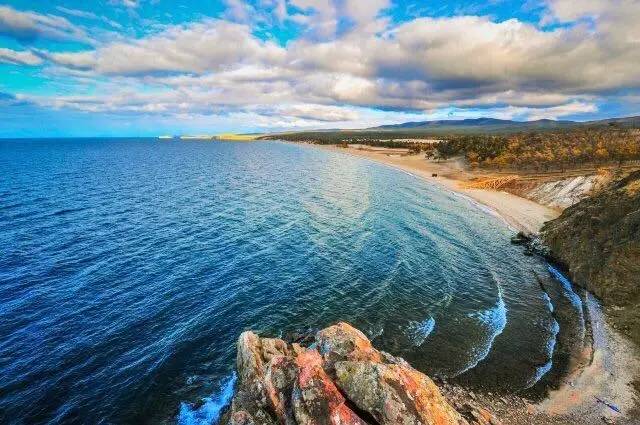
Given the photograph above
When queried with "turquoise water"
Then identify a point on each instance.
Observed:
(128, 268)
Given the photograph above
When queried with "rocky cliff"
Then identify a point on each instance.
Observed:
(598, 239)
(336, 377)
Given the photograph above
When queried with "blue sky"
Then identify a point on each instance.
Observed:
(149, 67)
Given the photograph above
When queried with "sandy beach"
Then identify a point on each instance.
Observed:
(600, 387)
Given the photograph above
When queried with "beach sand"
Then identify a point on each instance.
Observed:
(608, 368)
(601, 388)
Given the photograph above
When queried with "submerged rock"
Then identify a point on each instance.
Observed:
(340, 378)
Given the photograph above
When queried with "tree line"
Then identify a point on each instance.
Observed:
(544, 151)
(540, 151)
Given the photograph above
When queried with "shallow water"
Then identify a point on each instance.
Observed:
(129, 267)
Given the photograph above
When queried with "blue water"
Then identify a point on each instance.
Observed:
(128, 268)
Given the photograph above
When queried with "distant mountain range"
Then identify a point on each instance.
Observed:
(493, 124)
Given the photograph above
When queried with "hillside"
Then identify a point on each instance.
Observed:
(492, 125)
(598, 239)
(481, 124)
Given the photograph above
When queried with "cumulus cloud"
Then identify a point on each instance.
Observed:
(318, 112)
(238, 10)
(336, 71)
(568, 11)
(202, 47)
(322, 17)
(365, 12)
(29, 26)
(19, 57)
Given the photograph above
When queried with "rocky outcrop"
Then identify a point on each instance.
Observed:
(337, 377)
(598, 239)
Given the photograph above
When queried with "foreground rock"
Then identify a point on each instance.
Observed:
(339, 378)
(598, 239)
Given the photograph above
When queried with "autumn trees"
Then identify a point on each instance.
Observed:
(545, 151)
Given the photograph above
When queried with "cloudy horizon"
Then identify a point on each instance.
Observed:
(149, 67)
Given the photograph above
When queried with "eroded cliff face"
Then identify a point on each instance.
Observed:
(339, 378)
(564, 193)
(598, 239)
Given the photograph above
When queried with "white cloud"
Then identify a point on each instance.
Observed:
(569, 10)
(321, 17)
(238, 10)
(19, 57)
(202, 47)
(365, 12)
(280, 10)
(131, 4)
(87, 15)
(466, 63)
(29, 26)
(318, 112)
(560, 111)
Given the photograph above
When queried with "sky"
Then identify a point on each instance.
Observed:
(154, 67)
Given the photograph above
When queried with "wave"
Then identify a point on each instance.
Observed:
(68, 211)
(570, 294)
(547, 298)
(566, 285)
(495, 320)
(209, 412)
(482, 207)
(419, 331)
(551, 345)
(375, 331)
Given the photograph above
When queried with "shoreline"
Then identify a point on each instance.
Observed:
(605, 372)
(519, 213)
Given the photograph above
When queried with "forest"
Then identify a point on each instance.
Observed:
(535, 151)
(545, 151)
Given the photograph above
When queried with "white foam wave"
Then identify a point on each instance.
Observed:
(494, 320)
(375, 331)
(551, 345)
(570, 295)
(209, 412)
(547, 298)
(566, 285)
(482, 207)
(419, 331)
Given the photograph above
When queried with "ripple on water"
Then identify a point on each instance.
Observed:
(144, 262)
